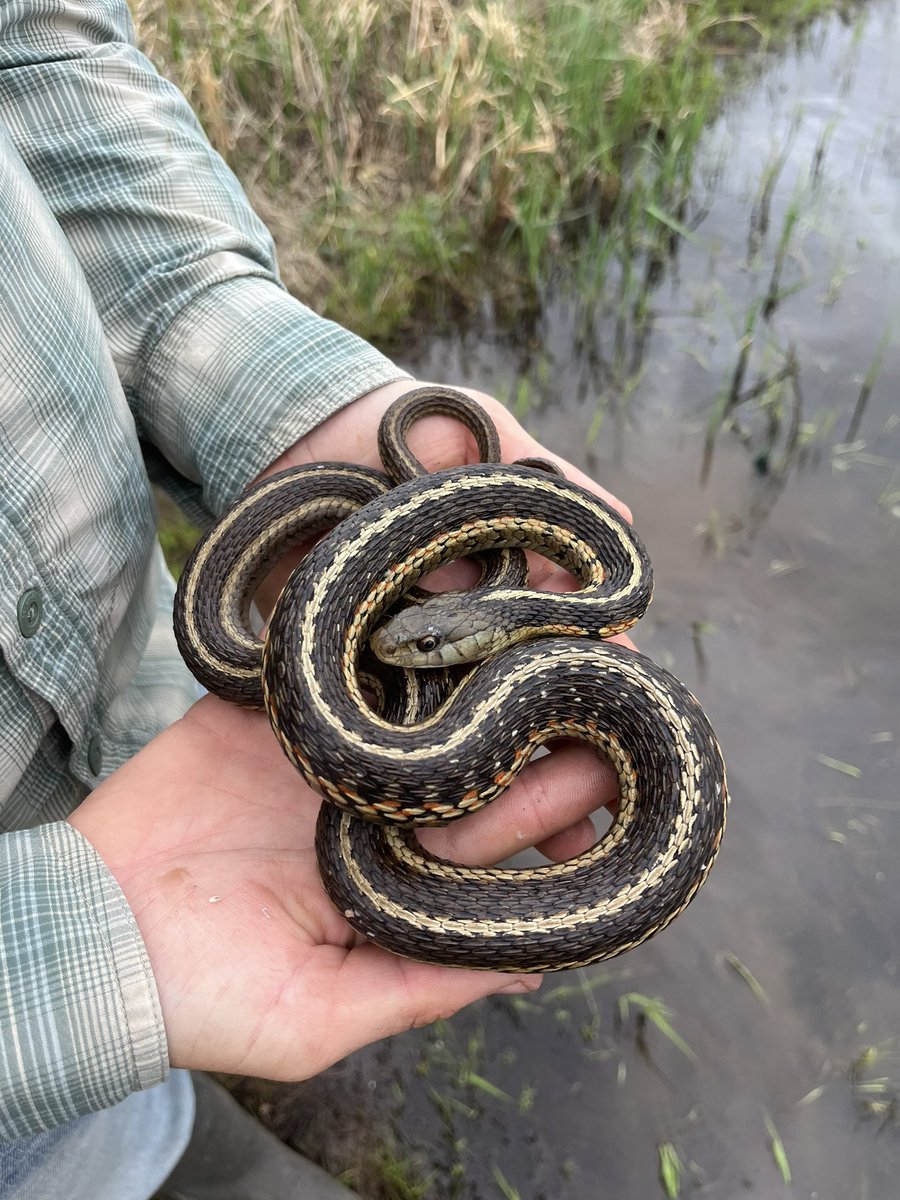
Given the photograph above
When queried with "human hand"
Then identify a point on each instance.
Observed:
(350, 435)
(209, 831)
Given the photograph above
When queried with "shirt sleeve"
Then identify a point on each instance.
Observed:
(94, 1032)
(224, 370)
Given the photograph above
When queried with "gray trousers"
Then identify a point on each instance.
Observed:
(121, 1153)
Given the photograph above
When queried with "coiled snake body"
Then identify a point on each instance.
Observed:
(552, 676)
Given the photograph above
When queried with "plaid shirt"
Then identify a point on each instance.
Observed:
(141, 321)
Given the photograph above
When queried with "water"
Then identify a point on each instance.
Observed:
(778, 602)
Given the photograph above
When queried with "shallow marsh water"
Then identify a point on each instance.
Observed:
(778, 602)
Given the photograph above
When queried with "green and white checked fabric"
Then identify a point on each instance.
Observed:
(64, 917)
(141, 318)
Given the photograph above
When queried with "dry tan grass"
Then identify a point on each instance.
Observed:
(663, 27)
(495, 115)
(431, 69)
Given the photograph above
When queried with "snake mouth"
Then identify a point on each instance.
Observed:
(428, 650)
(447, 630)
(384, 647)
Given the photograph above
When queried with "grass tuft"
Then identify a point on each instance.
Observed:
(409, 154)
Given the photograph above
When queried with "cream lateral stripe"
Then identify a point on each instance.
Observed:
(482, 712)
(628, 801)
(412, 860)
(198, 567)
(244, 565)
(332, 572)
(241, 569)
(585, 554)
(646, 881)
(403, 854)
(210, 546)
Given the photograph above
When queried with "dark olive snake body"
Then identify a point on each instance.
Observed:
(556, 677)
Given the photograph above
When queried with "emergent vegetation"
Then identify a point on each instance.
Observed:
(413, 154)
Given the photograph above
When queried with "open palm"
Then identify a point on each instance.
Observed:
(209, 830)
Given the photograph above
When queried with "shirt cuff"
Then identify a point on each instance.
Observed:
(80, 1021)
(240, 375)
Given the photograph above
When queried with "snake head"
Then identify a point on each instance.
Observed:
(442, 632)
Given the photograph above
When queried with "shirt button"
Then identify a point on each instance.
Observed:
(95, 756)
(29, 611)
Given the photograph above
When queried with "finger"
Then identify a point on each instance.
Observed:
(375, 994)
(571, 842)
(622, 639)
(548, 806)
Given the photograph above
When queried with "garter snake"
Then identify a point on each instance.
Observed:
(553, 676)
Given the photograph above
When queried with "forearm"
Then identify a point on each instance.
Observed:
(223, 369)
(80, 1023)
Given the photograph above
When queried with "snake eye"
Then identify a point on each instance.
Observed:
(427, 643)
